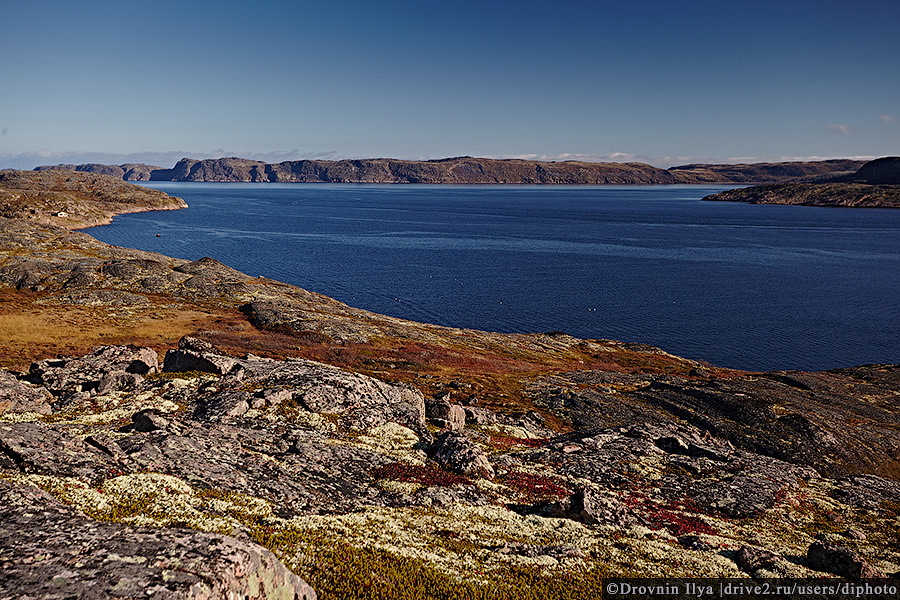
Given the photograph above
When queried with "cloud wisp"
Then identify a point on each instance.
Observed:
(841, 129)
(890, 120)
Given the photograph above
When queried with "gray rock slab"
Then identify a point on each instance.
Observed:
(52, 551)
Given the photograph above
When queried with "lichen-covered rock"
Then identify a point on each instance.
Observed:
(222, 405)
(456, 452)
(107, 368)
(149, 420)
(446, 415)
(751, 560)
(361, 402)
(867, 491)
(193, 354)
(37, 448)
(479, 416)
(593, 508)
(16, 396)
(307, 475)
(840, 561)
(54, 551)
(443, 414)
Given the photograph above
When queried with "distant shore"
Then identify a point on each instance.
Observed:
(468, 170)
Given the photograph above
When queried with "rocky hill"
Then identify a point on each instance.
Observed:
(764, 172)
(876, 184)
(127, 172)
(468, 170)
(881, 171)
(180, 428)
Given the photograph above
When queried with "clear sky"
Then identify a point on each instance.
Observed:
(664, 82)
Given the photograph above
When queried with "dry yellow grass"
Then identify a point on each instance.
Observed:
(31, 331)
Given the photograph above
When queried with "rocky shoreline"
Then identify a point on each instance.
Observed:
(289, 446)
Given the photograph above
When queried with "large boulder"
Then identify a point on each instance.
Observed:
(359, 402)
(54, 551)
(193, 354)
(16, 396)
(593, 508)
(106, 369)
(456, 452)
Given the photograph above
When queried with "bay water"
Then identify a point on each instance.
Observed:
(738, 285)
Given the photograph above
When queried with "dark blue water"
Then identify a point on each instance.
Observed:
(743, 286)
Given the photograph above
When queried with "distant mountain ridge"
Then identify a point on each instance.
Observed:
(468, 170)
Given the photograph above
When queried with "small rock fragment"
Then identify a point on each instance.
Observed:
(840, 561)
(750, 559)
(593, 508)
(458, 453)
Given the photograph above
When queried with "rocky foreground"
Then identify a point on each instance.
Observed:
(261, 441)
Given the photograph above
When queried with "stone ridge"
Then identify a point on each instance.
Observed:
(468, 170)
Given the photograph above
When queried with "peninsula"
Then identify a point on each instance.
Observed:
(180, 427)
(875, 185)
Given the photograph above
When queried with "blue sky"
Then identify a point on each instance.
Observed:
(659, 82)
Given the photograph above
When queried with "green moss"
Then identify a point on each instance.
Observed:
(160, 376)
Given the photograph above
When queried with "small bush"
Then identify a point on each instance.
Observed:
(427, 476)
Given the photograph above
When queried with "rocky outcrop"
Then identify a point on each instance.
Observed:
(847, 195)
(455, 451)
(17, 396)
(797, 418)
(54, 551)
(109, 368)
(251, 447)
(590, 507)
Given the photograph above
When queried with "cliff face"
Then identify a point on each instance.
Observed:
(382, 170)
(466, 170)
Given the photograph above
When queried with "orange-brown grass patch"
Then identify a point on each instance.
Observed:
(31, 331)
